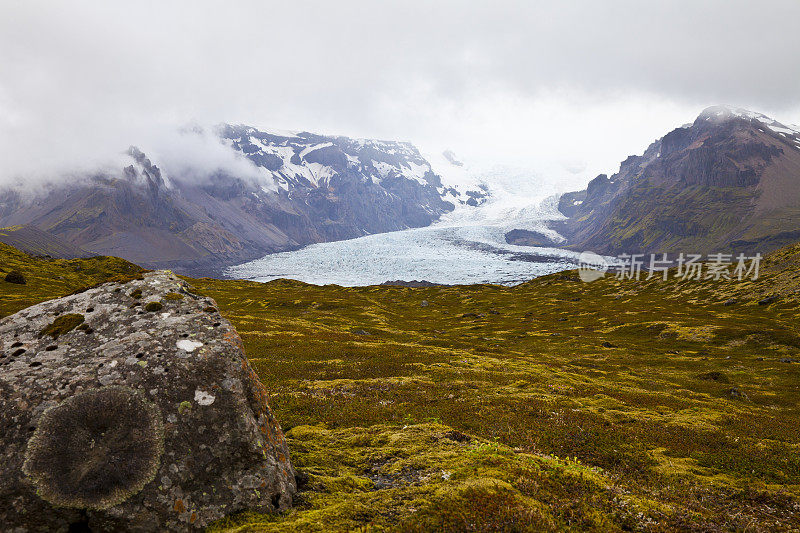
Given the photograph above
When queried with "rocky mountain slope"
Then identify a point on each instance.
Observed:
(310, 188)
(37, 242)
(728, 182)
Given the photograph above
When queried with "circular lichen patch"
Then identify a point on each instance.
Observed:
(153, 307)
(95, 449)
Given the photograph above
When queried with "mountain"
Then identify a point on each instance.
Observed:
(36, 242)
(728, 182)
(309, 188)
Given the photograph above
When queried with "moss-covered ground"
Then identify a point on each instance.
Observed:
(52, 278)
(553, 405)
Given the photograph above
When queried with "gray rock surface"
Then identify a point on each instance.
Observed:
(117, 418)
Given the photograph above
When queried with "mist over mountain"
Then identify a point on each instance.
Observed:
(254, 192)
(538, 86)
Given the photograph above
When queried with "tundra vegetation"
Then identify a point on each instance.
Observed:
(552, 405)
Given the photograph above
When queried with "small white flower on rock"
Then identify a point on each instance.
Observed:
(203, 398)
(188, 346)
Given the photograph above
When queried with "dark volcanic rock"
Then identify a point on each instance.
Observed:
(124, 420)
(523, 237)
(768, 300)
(15, 277)
(413, 283)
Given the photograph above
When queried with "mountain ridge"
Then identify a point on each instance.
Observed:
(727, 182)
(310, 188)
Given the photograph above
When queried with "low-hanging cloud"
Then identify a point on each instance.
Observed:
(195, 153)
(570, 85)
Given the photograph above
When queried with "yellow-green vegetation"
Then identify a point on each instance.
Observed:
(676, 410)
(151, 307)
(429, 477)
(63, 324)
(52, 278)
(15, 276)
(553, 405)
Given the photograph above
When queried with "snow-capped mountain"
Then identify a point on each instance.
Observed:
(729, 181)
(307, 188)
(302, 159)
(306, 160)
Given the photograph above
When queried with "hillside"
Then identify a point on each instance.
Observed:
(548, 406)
(48, 278)
(301, 188)
(728, 182)
(34, 241)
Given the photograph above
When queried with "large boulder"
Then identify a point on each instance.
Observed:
(133, 407)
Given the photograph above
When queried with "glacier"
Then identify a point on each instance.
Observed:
(465, 246)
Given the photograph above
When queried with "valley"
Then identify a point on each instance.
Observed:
(400, 267)
(468, 245)
(553, 405)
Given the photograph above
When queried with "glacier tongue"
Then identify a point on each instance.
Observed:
(465, 246)
(448, 255)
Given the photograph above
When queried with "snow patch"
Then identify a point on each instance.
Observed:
(769, 122)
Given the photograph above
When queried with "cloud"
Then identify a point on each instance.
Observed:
(196, 153)
(551, 84)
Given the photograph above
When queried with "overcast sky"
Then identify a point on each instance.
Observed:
(567, 88)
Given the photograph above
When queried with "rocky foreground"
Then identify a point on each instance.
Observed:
(132, 406)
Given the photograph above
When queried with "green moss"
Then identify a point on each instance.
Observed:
(648, 414)
(85, 328)
(136, 293)
(61, 325)
(173, 296)
(153, 306)
(52, 278)
(522, 411)
(714, 376)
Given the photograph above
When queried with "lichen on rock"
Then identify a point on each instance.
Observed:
(128, 420)
(96, 449)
